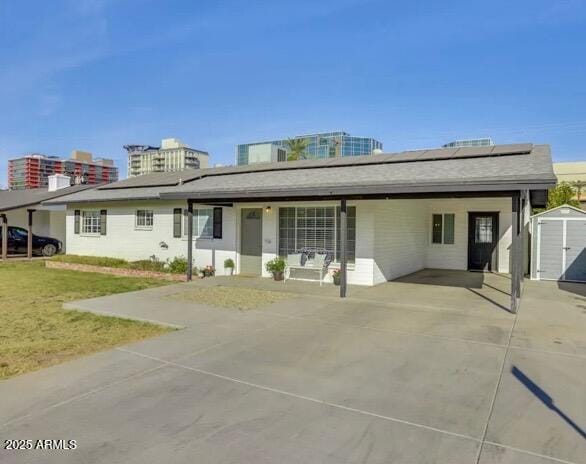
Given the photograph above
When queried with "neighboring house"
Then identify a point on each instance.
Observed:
(171, 156)
(455, 208)
(24, 208)
(318, 146)
(33, 171)
(575, 174)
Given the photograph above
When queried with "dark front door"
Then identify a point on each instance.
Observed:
(482, 240)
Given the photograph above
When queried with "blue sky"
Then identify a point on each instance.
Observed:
(98, 74)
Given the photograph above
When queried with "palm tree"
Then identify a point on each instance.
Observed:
(296, 149)
(579, 185)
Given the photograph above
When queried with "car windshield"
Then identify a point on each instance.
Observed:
(19, 233)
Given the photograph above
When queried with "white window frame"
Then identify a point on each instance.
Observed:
(147, 213)
(443, 231)
(95, 224)
(335, 262)
(199, 224)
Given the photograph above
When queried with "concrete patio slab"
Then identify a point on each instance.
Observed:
(541, 405)
(383, 376)
(427, 381)
(184, 416)
(555, 319)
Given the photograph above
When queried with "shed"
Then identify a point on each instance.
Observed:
(559, 244)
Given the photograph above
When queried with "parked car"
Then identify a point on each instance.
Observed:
(18, 242)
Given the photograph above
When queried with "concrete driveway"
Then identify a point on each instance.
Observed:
(428, 369)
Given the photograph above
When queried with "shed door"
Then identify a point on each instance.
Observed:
(551, 249)
(575, 250)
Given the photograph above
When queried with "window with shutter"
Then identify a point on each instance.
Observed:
(217, 222)
(77, 221)
(177, 217)
(103, 215)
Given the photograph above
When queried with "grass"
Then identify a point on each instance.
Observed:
(177, 265)
(231, 297)
(35, 332)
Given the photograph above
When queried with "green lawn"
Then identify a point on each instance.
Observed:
(35, 332)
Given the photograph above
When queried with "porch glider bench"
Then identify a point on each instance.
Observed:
(317, 261)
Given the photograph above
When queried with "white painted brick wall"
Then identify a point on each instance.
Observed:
(393, 236)
(125, 241)
(400, 238)
(455, 256)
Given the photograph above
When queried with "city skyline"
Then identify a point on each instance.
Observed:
(411, 76)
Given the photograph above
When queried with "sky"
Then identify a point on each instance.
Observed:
(98, 74)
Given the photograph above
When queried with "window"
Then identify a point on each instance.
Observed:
(90, 222)
(442, 228)
(202, 222)
(315, 229)
(144, 219)
(483, 229)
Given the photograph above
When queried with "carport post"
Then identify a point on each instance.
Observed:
(4, 237)
(29, 240)
(343, 246)
(516, 251)
(189, 240)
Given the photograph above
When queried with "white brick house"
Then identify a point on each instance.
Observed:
(458, 208)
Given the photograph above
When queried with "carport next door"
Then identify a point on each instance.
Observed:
(482, 240)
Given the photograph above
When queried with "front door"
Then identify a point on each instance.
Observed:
(482, 241)
(251, 241)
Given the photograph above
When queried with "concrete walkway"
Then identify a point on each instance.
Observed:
(429, 369)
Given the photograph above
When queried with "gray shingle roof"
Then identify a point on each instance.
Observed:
(14, 199)
(454, 169)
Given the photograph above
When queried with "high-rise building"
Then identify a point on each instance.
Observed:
(172, 155)
(32, 171)
(317, 146)
(484, 142)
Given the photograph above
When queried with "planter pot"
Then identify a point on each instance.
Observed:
(278, 275)
(336, 280)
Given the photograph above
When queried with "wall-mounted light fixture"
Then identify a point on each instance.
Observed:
(268, 209)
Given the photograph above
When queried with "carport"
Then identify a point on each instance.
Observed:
(24, 208)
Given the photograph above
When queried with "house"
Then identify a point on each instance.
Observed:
(24, 208)
(575, 174)
(379, 217)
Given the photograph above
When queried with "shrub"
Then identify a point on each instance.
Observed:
(148, 265)
(275, 265)
(229, 263)
(178, 265)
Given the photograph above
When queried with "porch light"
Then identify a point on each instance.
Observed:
(268, 209)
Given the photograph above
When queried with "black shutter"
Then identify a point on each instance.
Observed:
(103, 215)
(177, 217)
(217, 222)
(76, 226)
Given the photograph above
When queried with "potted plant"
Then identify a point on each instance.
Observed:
(336, 276)
(208, 271)
(229, 264)
(276, 267)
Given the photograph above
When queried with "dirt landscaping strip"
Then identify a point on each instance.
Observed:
(232, 297)
(116, 271)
